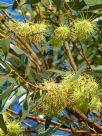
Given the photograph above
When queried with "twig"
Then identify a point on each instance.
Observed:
(84, 118)
(81, 54)
(20, 7)
(7, 15)
(70, 57)
(84, 55)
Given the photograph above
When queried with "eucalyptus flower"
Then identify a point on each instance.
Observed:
(85, 90)
(60, 34)
(81, 93)
(31, 32)
(13, 127)
(84, 28)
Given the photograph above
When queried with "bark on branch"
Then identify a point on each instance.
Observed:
(70, 57)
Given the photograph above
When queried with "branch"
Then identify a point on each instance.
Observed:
(91, 123)
(70, 57)
(42, 121)
(88, 64)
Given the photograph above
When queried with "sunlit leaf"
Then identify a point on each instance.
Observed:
(59, 3)
(32, 1)
(7, 92)
(4, 5)
(3, 79)
(5, 45)
(2, 124)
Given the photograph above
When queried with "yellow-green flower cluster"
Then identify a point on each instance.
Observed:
(13, 128)
(84, 28)
(52, 101)
(81, 93)
(60, 34)
(85, 93)
(31, 32)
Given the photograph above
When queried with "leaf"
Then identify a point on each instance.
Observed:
(49, 131)
(77, 5)
(32, 1)
(8, 101)
(25, 107)
(59, 72)
(5, 45)
(4, 64)
(7, 92)
(3, 79)
(14, 60)
(4, 5)
(2, 124)
(17, 50)
(22, 60)
(18, 63)
(93, 2)
(28, 69)
(59, 3)
(97, 68)
(80, 71)
(21, 92)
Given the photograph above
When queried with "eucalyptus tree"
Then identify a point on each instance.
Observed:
(51, 62)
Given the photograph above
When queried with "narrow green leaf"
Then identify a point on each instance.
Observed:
(4, 5)
(79, 72)
(14, 60)
(7, 92)
(97, 68)
(5, 45)
(32, 1)
(21, 92)
(77, 5)
(17, 50)
(93, 2)
(2, 124)
(4, 64)
(49, 131)
(22, 60)
(26, 107)
(28, 69)
(59, 3)
(3, 79)
(59, 72)
(9, 101)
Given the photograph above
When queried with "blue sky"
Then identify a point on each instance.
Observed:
(13, 13)
(8, 1)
